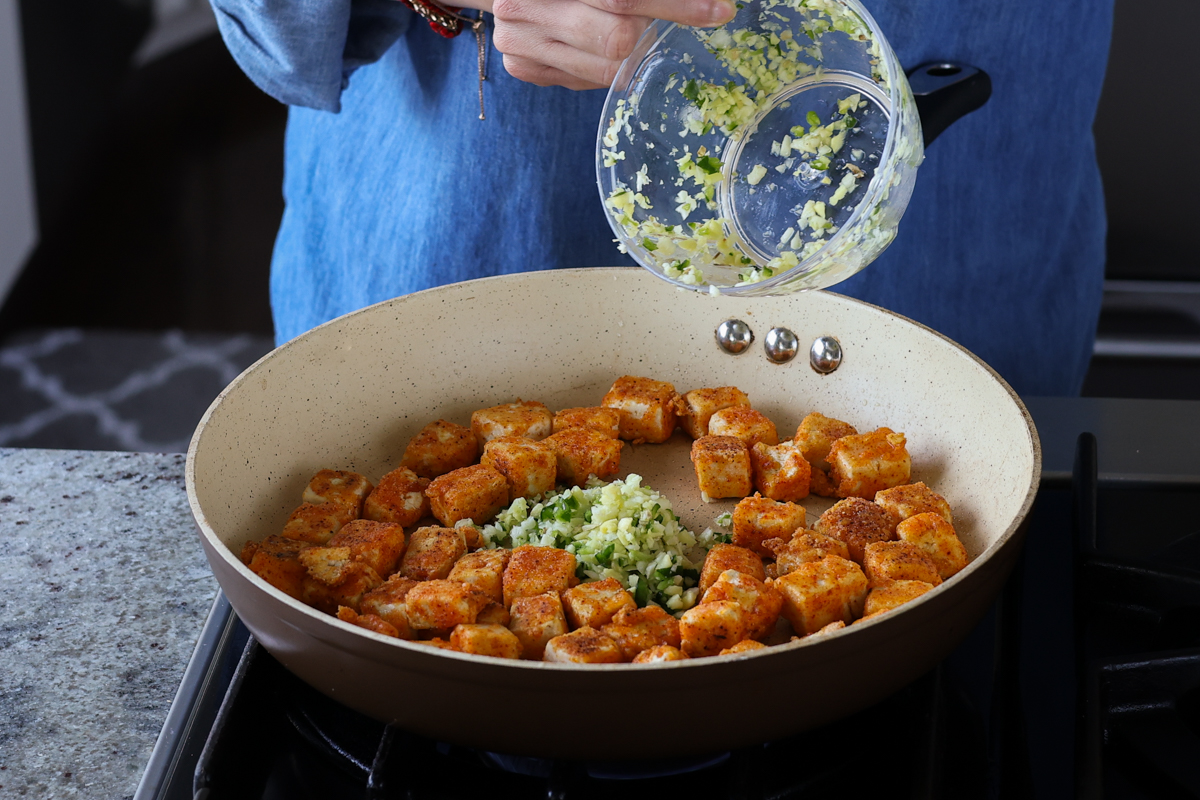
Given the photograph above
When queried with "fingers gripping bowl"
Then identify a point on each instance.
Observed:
(353, 391)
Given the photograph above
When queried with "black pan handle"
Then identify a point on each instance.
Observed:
(945, 92)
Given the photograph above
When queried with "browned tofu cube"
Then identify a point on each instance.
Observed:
(857, 523)
(476, 493)
(937, 539)
(536, 570)
(606, 421)
(442, 604)
(334, 578)
(529, 467)
(276, 560)
(709, 628)
(698, 405)
(820, 484)
(912, 499)
(724, 557)
(780, 472)
(527, 418)
(535, 621)
(663, 652)
(580, 452)
(592, 605)
(816, 435)
(862, 465)
(832, 627)
(744, 646)
(760, 602)
(884, 562)
(370, 622)
(636, 630)
(820, 592)
(647, 408)
(377, 544)
(496, 641)
(440, 447)
(494, 614)
(399, 498)
(807, 546)
(888, 597)
(744, 423)
(386, 601)
(722, 467)
(316, 524)
(431, 553)
(758, 518)
(338, 487)
(584, 646)
(484, 570)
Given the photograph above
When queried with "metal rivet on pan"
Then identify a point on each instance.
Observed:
(825, 355)
(781, 345)
(734, 336)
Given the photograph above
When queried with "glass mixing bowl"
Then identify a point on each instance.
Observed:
(774, 154)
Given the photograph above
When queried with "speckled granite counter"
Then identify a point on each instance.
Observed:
(103, 592)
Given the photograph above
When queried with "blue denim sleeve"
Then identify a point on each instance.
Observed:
(302, 52)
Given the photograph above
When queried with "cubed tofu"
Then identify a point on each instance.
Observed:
(807, 546)
(442, 604)
(829, 629)
(592, 605)
(483, 569)
(937, 539)
(760, 602)
(745, 423)
(724, 557)
(646, 406)
(912, 499)
(780, 472)
(709, 628)
(399, 498)
(697, 406)
(377, 544)
(820, 592)
(820, 484)
(276, 560)
(494, 614)
(758, 518)
(744, 646)
(535, 621)
(476, 493)
(370, 622)
(606, 421)
(857, 523)
(334, 578)
(431, 553)
(584, 646)
(663, 652)
(723, 467)
(884, 562)
(861, 465)
(529, 467)
(580, 452)
(527, 418)
(496, 641)
(386, 601)
(536, 570)
(888, 597)
(816, 435)
(338, 487)
(439, 643)
(440, 447)
(316, 524)
(636, 630)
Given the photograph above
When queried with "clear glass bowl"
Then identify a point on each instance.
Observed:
(774, 154)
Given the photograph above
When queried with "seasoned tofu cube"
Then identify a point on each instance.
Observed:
(386, 601)
(912, 499)
(536, 570)
(937, 539)
(697, 406)
(276, 560)
(744, 423)
(369, 621)
(646, 406)
(334, 578)
(857, 523)
(592, 605)
(724, 557)
(483, 569)
(529, 467)
(584, 646)
(338, 487)
(820, 484)
(709, 628)
(883, 599)
(636, 630)
(440, 447)
(780, 472)
(580, 452)
(758, 518)
(606, 421)
(820, 592)
(816, 435)
(744, 646)
(431, 553)
(807, 546)
(442, 604)
(399, 498)
(884, 562)
(722, 467)
(316, 524)
(471, 534)
(377, 544)
(760, 602)
(496, 641)
(663, 652)
(832, 627)
(535, 621)
(527, 418)
(861, 465)
(437, 642)
(476, 493)
(494, 614)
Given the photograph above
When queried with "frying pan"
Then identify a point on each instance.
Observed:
(349, 394)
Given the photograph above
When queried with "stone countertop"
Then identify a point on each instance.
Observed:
(103, 591)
